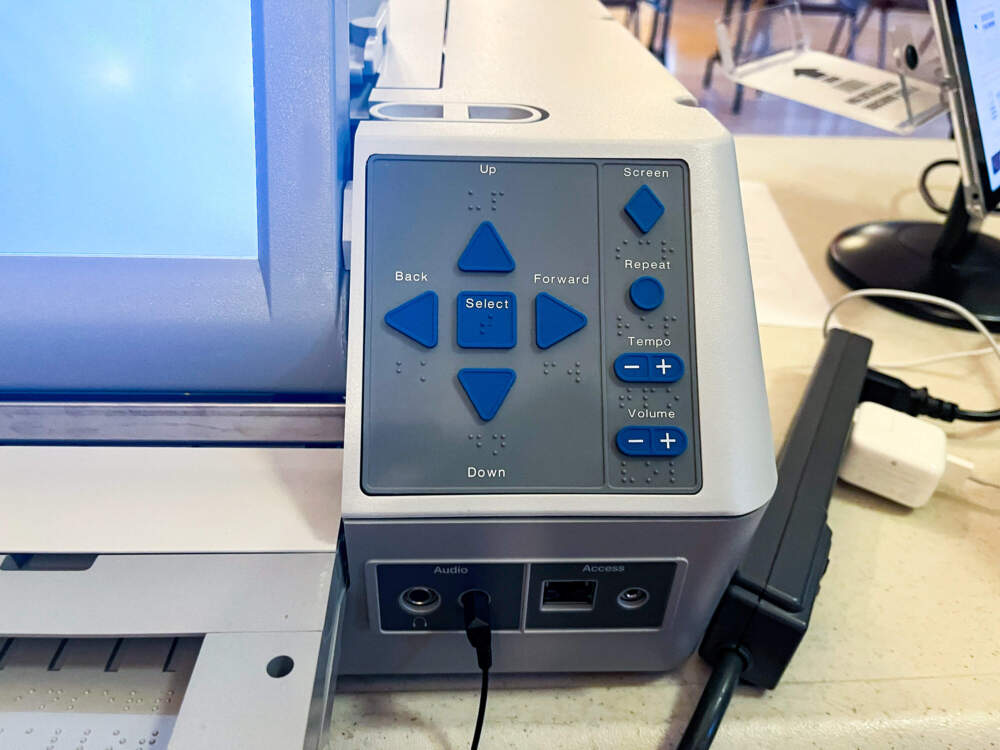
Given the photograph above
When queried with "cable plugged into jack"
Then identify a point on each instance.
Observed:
(897, 394)
(479, 630)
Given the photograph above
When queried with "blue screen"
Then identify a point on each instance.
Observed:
(127, 128)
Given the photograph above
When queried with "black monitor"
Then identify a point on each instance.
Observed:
(973, 50)
(951, 260)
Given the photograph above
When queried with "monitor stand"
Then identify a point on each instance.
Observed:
(953, 261)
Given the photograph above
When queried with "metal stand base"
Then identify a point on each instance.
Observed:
(900, 255)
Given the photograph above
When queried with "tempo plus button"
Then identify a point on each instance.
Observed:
(646, 293)
(486, 388)
(649, 368)
(668, 441)
(487, 320)
(635, 441)
(486, 252)
(644, 208)
(417, 319)
(665, 368)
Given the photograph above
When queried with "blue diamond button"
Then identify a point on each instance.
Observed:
(486, 252)
(644, 208)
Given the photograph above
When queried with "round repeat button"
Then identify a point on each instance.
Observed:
(646, 293)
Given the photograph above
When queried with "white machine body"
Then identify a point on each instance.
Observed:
(546, 487)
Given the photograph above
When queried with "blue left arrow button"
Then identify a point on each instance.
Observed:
(486, 388)
(417, 319)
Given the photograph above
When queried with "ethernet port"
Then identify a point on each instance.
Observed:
(568, 596)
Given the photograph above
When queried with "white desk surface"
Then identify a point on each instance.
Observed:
(904, 646)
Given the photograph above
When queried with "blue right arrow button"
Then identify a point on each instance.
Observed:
(555, 320)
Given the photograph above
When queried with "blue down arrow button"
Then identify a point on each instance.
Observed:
(486, 388)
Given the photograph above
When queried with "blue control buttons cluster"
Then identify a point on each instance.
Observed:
(649, 368)
(417, 319)
(644, 208)
(646, 293)
(487, 320)
(651, 441)
(486, 252)
(486, 388)
(555, 320)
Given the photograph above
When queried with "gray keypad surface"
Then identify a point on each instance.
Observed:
(528, 327)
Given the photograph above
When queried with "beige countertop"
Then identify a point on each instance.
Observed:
(904, 646)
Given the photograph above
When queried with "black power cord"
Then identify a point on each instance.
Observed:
(476, 609)
(896, 394)
(714, 700)
(765, 611)
(925, 192)
(922, 185)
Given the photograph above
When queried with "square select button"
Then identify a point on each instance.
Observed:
(487, 320)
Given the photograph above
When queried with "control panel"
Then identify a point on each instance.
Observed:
(529, 327)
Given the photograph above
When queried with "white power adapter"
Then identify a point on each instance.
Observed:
(900, 457)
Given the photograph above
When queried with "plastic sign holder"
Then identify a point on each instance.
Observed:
(774, 57)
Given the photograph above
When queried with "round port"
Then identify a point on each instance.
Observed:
(633, 597)
(461, 597)
(419, 600)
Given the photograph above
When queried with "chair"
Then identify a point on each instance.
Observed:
(632, 12)
(659, 39)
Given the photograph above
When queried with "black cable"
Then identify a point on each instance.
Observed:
(925, 193)
(483, 693)
(479, 631)
(896, 394)
(978, 416)
(714, 700)
(922, 185)
(765, 610)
